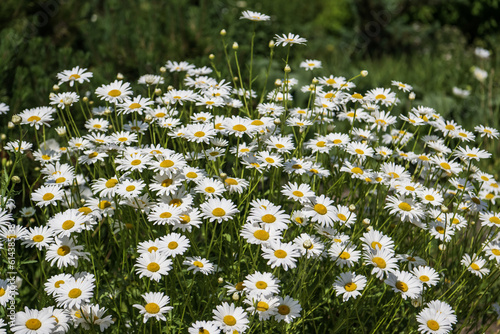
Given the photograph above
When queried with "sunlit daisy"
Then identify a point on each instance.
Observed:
(156, 306)
(349, 285)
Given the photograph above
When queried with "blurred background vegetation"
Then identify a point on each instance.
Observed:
(428, 44)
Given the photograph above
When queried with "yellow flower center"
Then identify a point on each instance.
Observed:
(231, 182)
(60, 179)
(38, 238)
(280, 254)
(152, 249)
(402, 286)
(153, 267)
(218, 212)
(33, 324)
(342, 217)
(192, 175)
(344, 255)
(262, 306)
(58, 283)
(34, 118)
(268, 218)
(269, 160)
(63, 250)
(376, 245)
(136, 162)
(380, 97)
(283, 309)
(475, 266)
(74, 76)
(173, 245)
(429, 197)
(261, 285)
(240, 128)
(199, 134)
(152, 308)
(68, 224)
(357, 170)
(229, 320)
(130, 188)
(114, 93)
(261, 235)
(321, 144)
(134, 106)
(433, 325)
(404, 206)
(495, 251)
(439, 229)
(494, 220)
(445, 165)
(198, 264)
(167, 182)
(165, 215)
(74, 293)
(257, 122)
(380, 262)
(298, 193)
(2, 292)
(166, 163)
(104, 204)
(360, 152)
(48, 197)
(210, 190)
(424, 278)
(351, 286)
(320, 208)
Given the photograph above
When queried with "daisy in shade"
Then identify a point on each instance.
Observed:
(199, 264)
(205, 327)
(288, 309)
(412, 260)
(383, 261)
(344, 254)
(47, 195)
(93, 314)
(173, 244)
(349, 285)
(281, 254)
(321, 211)
(230, 318)
(441, 231)
(33, 322)
(264, 307)
(65, 253)
(476, 265)
(115, 92)
(153, 265)
(309, 246)
(156, 306)
(75, 292)
(218, 209)
(261, 284)
(77, 74)
(426, 275)
(301, 193)
(405, 283)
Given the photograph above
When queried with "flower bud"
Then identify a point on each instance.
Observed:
(55, 87)
(223, 176)
(236, 79)
(10, 125)
(107, 111)
(271, 44)
(51, 95)
(277, 121)
(444, 209)
(211, 56)
(163, 69)
(85, 99)
(411, 96)
(16, 119)
(158, 91)
(220, 280)
(3, 136)
(442, 247)
(235, 46)
(223, 32)
(307, 244)
(364, 73)
(119, 76)
(236, 296)
(315, 81)
(352, 207)
(91, 102)
(148, 118)
(278, 82)
(287, 69)
(16, 179)
(61, 131)
(366, 221)
(170, 87)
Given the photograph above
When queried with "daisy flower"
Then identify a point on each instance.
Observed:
(33, 322)
(412, 260)
(271, 217)
(54, 283)
(257, 235)
(432, 322)
(156, 306)
(310, 64)
(281, 254)
(235, 185)
(349, 285)
(230, 318)
(475, 266)
(75, 292)
(406, 208)
(47, 195)
(199, 264)
(63, 100)
(137, 105)
(93, 314)
(374, 240)
(264, 307)
(150, 79)
(153, 265)
(133, 162)
(344, 253)
(115, 92)
(254, 16)
(210, 187)
(486, 131)
(384, 262)
(165, 214)
(359, 150)
(67, 222)
(301, 193)
(290, 39)
(426, 275)
(492, 250)
(261, 284)
(77, 74)
(218, 209)
(168, 164)
(205, 327)
(39, 236)
(288, 309)
(405, 283)
(7, 292)
(37, 116)
(65, 253)
(321, 211)
(309, 246)
(173, 244)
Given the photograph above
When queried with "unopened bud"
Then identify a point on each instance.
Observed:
(55, 87)
(444, 209)
(91, 102)
(330, 127)
(236, 296)
(211, 56)
(442, 247)
(32, 220)
(220, 280)
(158, 91)
(163, 69)
(277, 121)
(235, 46)
(8, 163)
(85, 99)
(3, 136)
(307, 244)
(278, 82)
(364, 73)
(271, 44)
(148, 118)
(223, 176)
(61, 131)
(51, 95)
(16, 119)
(352, 207)
(10, 125)
(366, 221)
(315, 81)
(223, 32)
(107, 111)
(288, 69)
(16, 179)
(170, 87)
(235, 78)
(119, 76)
(411, 96)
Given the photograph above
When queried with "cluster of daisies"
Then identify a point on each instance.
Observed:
(164, 172)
